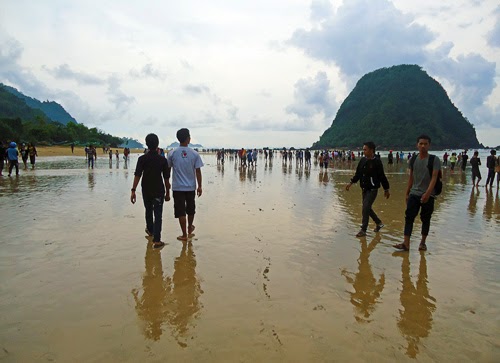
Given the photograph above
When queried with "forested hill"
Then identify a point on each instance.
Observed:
(392, 106)
(51, 109)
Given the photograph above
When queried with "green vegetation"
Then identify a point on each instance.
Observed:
(392, 106)
(51, 109)
(22, 123)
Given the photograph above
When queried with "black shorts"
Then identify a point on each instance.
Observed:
(184, 203)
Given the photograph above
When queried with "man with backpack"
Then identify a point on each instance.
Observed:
(423, 185)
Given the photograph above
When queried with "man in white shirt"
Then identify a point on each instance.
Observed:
(186, 166)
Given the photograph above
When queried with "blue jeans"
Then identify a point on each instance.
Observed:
(412, 208)
(154, 206)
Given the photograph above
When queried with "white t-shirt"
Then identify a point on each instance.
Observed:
(184, 161)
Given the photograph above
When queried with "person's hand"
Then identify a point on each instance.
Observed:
(167, 196)
(348, 186)
(387, 194)
(425, 197)
(199, 191)
(132, 197)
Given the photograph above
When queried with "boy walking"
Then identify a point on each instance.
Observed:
(370, 173)
(420, 192)
(186, 166)
(475, 162)
(155, 189)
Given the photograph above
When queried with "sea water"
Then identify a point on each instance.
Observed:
(274, 272)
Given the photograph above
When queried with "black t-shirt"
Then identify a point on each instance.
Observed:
(153, 168)
(475, 162)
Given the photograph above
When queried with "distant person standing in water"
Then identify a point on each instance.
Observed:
(370, 173)
(33, 154)
(13, 158)
(155, 187)
(453, 161)
(475, 162)
(3, 152)
(420, 192)
(186, 166)
(497, 170)
(490, 164)
(465, 157)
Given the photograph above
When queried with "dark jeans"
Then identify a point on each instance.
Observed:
(14, 163)
(91, 162)
(412, 208)
(491, 177)
(154, 206)
(369, 197)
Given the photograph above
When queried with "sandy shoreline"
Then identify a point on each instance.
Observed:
(78, 151)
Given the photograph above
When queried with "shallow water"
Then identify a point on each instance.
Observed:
(273, 274)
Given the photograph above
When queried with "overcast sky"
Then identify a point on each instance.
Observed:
(243, 73)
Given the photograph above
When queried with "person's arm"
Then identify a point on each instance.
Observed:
(409, 185)
(427, 194)
(436, 168)
(198, 180)
(134, 186)
(356, 176)
(166, 177)
(383, 179)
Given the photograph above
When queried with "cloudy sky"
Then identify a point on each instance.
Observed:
(243, 73)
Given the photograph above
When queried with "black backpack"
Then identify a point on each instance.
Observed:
(438, 188)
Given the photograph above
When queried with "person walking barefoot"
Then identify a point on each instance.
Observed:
(185, 164)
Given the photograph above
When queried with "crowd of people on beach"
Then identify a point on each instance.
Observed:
(10, 152)
(91, 154)
(155, 167)
(424, 182)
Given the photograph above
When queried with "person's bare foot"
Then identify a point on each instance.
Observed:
(191, 230)
(182, 238)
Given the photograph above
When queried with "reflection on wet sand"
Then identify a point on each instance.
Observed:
(367, 289)
(415, 317)
(474, 195)
(172, 300)
(91, 180)
(150, 306)
(183, 301)
(492, 204)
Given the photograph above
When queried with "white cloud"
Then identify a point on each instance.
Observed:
(313, 96)
(227, 70)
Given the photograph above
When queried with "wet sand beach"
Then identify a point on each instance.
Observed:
(274, 272)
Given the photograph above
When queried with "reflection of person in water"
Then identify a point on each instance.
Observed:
(150, 306)
(415, 321)
(184, 291)
(474, 195)
(367, 289)
(489, 205)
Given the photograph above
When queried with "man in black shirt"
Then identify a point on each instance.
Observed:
(155, 190)
(370, 173)
(490, 164)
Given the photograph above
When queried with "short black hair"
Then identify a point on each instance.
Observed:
(183, 135)
(425, 137)
(493, 152)
(152, 141)
(370, 145)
